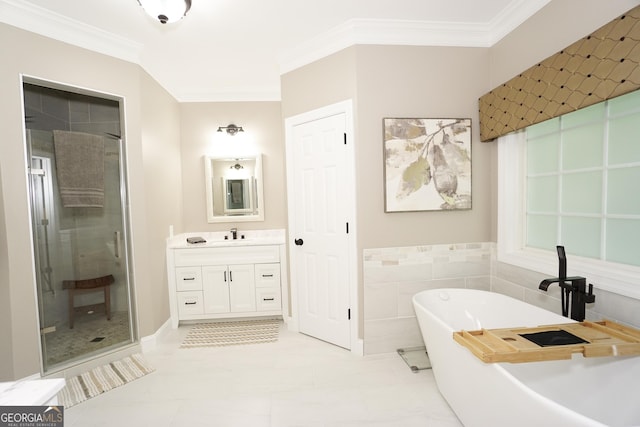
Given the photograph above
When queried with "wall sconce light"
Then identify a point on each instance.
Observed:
(231, 129)
(166, 11)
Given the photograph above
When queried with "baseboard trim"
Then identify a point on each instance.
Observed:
(358, 348)
(150, 342)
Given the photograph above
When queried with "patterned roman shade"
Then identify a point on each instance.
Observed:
(600, 66)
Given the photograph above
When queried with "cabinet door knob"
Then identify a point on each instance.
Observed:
(299, 242)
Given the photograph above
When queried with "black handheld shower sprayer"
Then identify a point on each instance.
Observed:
(562, 275)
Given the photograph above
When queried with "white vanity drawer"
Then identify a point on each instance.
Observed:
(188, 278)
(268, 275)
(189, 303)
(268, 299)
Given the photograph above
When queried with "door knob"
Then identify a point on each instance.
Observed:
(298, 242)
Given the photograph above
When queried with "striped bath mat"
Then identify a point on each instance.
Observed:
(102, 379)
(232, 333)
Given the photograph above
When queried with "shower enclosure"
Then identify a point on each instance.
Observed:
(79, 222)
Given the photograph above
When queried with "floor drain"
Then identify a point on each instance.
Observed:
(97, 339)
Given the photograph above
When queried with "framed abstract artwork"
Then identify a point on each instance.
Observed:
(427, 164)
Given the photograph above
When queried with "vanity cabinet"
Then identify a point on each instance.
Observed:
(224, 282)
(229, 288)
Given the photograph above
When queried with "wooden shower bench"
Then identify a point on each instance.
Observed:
(78, 287)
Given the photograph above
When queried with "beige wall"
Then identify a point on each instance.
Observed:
(427, 82)
(324, 82)
(51, 60)
(162, 190)
(554, 27)
(262, 124)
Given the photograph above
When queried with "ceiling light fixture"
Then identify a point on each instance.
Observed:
(231, 129)
(166, 11)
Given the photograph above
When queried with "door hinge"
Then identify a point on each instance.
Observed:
(348, 314)
(345, 138)
(347, 224)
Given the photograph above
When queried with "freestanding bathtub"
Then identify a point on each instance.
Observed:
(597, 391)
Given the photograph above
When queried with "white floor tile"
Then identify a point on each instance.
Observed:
(297, 381)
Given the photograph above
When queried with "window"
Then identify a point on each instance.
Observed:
(573, 181)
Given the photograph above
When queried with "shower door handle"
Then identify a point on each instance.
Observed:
(116, 244)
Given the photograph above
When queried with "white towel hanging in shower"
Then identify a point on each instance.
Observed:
(79, 168)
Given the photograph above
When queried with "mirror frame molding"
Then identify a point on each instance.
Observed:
(258, 178)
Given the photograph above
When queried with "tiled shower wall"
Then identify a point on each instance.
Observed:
(393, 275)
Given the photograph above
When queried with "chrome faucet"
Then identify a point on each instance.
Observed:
(573, 289)
(234, 233)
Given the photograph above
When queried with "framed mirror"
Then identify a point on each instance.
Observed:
(234, 188)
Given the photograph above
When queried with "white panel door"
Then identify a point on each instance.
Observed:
(320, 229)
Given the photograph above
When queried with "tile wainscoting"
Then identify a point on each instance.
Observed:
(393, 275)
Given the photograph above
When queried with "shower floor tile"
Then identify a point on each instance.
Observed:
(90, 333)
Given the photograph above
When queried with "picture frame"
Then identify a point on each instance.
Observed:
(427, 164)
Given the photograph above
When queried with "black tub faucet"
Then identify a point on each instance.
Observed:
(234, 233)
(573, 289)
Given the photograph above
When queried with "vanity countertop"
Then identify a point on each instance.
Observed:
(217, 239)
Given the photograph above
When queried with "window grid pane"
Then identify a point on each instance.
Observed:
(582, 173)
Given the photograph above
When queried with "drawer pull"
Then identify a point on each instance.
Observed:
(267, 275)
(191, 303)
(268, 299)
(188, 278)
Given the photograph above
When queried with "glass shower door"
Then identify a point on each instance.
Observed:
(81, 258)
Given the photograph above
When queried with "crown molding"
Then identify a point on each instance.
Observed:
(41, 21)
(385, 32)
(513, 16)
(409, 33)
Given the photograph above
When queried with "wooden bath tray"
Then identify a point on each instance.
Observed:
(604, 338)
